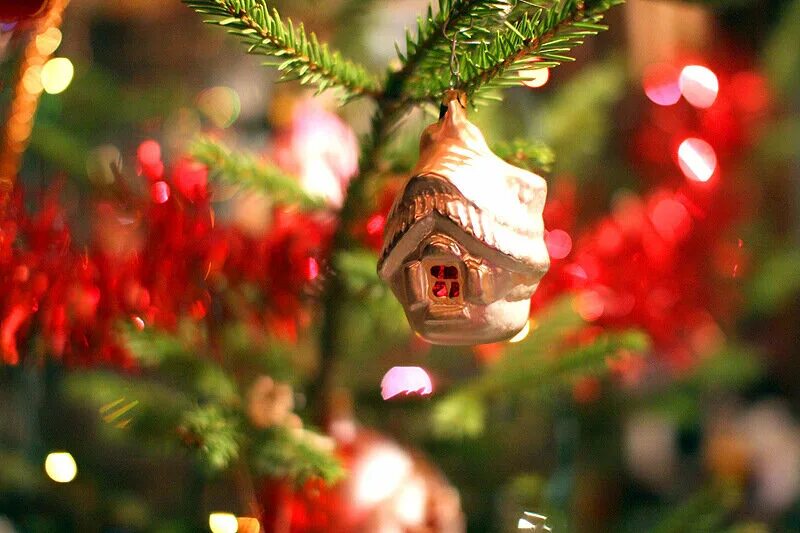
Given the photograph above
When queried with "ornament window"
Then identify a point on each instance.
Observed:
(445, 283)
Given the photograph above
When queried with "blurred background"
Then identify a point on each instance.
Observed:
(148, 293)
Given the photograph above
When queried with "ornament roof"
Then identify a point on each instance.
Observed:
(459, 178)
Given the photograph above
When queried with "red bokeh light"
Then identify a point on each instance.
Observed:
(558, 242)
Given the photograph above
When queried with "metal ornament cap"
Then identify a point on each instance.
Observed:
(463, 244)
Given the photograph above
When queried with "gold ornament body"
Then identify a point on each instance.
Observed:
(463, 244)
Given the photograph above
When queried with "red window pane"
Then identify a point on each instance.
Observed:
(455, 290)
(444, 272)
(440, 289)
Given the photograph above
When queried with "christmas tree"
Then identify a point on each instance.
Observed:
(194, 335)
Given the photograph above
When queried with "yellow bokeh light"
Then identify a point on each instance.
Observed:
(60, 467)
(248, 524)
(221, 105)
(32, 80)
(57, 75)
(223, 523)
(48, 41)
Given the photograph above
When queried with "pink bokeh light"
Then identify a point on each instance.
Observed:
(660, 83)
(406, 380)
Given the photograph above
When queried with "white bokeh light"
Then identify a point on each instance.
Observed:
(697, 159)
(380, 474)
(223, 523)
(60, 467)
(699, 85)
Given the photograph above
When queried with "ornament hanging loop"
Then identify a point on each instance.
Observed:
(455, 70)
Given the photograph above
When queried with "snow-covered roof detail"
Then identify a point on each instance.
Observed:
(458, 177)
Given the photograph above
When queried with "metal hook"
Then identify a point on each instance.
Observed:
(455, 70)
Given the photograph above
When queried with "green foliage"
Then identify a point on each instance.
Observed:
(535, 368)
(298, 56)
(373, 312)
(151, 421)
(281, 452)
(732, 368)
(540, 39)
(216, 434)
(776, 282)
(246, 170)
(459, 415)
(358, 267)
(496, 42)
(584, 104)
(426, 61)
(181, 364)
(531, 155)
(780, 60)
(705, 512)
(18, 474)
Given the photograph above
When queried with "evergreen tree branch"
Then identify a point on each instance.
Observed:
(427, 56)
(298, 56)
(244, 169)
(530, 155)
(538, 40)
(389, 112)
(424, 76)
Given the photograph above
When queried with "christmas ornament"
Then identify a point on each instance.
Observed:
(388, 488)
(463, 244)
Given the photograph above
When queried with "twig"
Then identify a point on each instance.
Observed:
(389, 112)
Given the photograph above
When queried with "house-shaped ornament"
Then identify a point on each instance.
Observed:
(463, 245)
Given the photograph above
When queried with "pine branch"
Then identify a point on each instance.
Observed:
(427, 55)
(536, 367)
(538, 40)
(298, 455)
(217, 434)
(298, 56)
(385, 118)
(244, 169)
(706, 511)
(531, 155)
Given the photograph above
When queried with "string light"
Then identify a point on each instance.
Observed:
(25, 99)
(57, 74)
(223, 523)
(699, 85)
(380, 475)
(405, 380)
(60, 467)
(697, 159)
(660, 83)
(48, 41)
